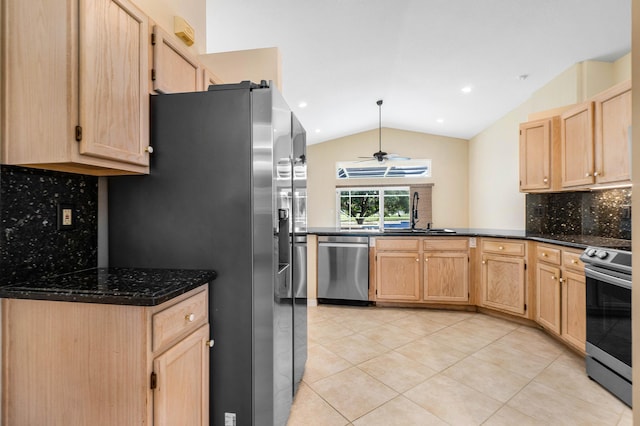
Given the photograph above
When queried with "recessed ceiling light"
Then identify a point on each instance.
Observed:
(466, 89)
(440, 120)
(302, 104)
(523, 77)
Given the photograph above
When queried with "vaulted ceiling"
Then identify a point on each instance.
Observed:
(340, 56)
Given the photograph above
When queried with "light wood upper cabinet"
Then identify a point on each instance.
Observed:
(577, 146)
(539, 147)
(75, 86)
(175, 69)
(503, 277)
(209, 78)
(595, 139)
(613, 124)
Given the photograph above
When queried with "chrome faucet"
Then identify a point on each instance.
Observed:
(414, 210)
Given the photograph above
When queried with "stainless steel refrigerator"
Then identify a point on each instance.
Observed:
(222, 194)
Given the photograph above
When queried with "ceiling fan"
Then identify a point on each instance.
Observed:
(381, 156)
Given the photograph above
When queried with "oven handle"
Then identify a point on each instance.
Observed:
(592, 273)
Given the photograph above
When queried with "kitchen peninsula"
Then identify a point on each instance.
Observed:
(532, 278)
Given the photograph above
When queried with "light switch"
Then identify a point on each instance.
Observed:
(66, 219)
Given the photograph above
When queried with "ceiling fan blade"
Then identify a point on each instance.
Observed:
(397, 157)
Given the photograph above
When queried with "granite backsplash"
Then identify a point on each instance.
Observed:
(600, 213)
(31, 245)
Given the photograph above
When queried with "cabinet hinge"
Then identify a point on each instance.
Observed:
(525, 306)
(153, 74)
(153, 39)
(154, 380)
(78, 133)
(525, 266)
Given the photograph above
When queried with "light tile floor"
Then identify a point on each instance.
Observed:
(386, 366)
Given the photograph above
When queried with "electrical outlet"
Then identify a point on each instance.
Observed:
(66, 216)
(229, 419)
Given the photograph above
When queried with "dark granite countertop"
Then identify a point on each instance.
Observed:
(575, 241)
(116, 286)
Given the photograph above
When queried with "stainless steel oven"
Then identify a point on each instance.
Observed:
(608, 346)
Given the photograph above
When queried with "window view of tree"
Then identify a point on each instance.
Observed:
(360, 207)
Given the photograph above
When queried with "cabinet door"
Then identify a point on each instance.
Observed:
(398, 276)
(548, 297)
(209, 78)
(175, 70)
(446, 277)
(613, 124)
(181, 396)
(535, 155)
(503, 283)
(577, 145)
(574, 317)
(113, 74)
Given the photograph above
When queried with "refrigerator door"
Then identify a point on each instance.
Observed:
(299, 264)
(272, 349)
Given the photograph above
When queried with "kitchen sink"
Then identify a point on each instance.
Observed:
(431, 231)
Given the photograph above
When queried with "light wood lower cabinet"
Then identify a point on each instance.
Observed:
(398, 276)
(71, 363)
(503, 279)
(561, 295)
(415, 269)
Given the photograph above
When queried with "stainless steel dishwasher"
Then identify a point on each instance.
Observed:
(343, 268)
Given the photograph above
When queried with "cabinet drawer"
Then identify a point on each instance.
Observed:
(398, 244)
(571, 260)
(448, 244)
(515, 248)
(548, 254)
(179, 320)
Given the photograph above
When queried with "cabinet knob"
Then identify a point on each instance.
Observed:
(561, 280)
(574, 261)
(544, 254)
(553, 277)
(149, 149)
(210, 343)
(484, 262)
(587, 174)
(190, 317)
(595, 174)
(501, 248)
(418, 260)
(545, 180)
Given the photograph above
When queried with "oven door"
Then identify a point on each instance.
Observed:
(609, 319)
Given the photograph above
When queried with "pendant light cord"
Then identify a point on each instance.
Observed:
(379, 125)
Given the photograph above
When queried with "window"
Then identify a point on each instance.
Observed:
(359, 208)
(387, 169)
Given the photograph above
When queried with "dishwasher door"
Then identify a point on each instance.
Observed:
(343, 268)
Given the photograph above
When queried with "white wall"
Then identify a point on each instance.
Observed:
(449, 158)
(494, 197)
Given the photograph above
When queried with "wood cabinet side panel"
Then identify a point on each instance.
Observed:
(73, 363)
(176, 70)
